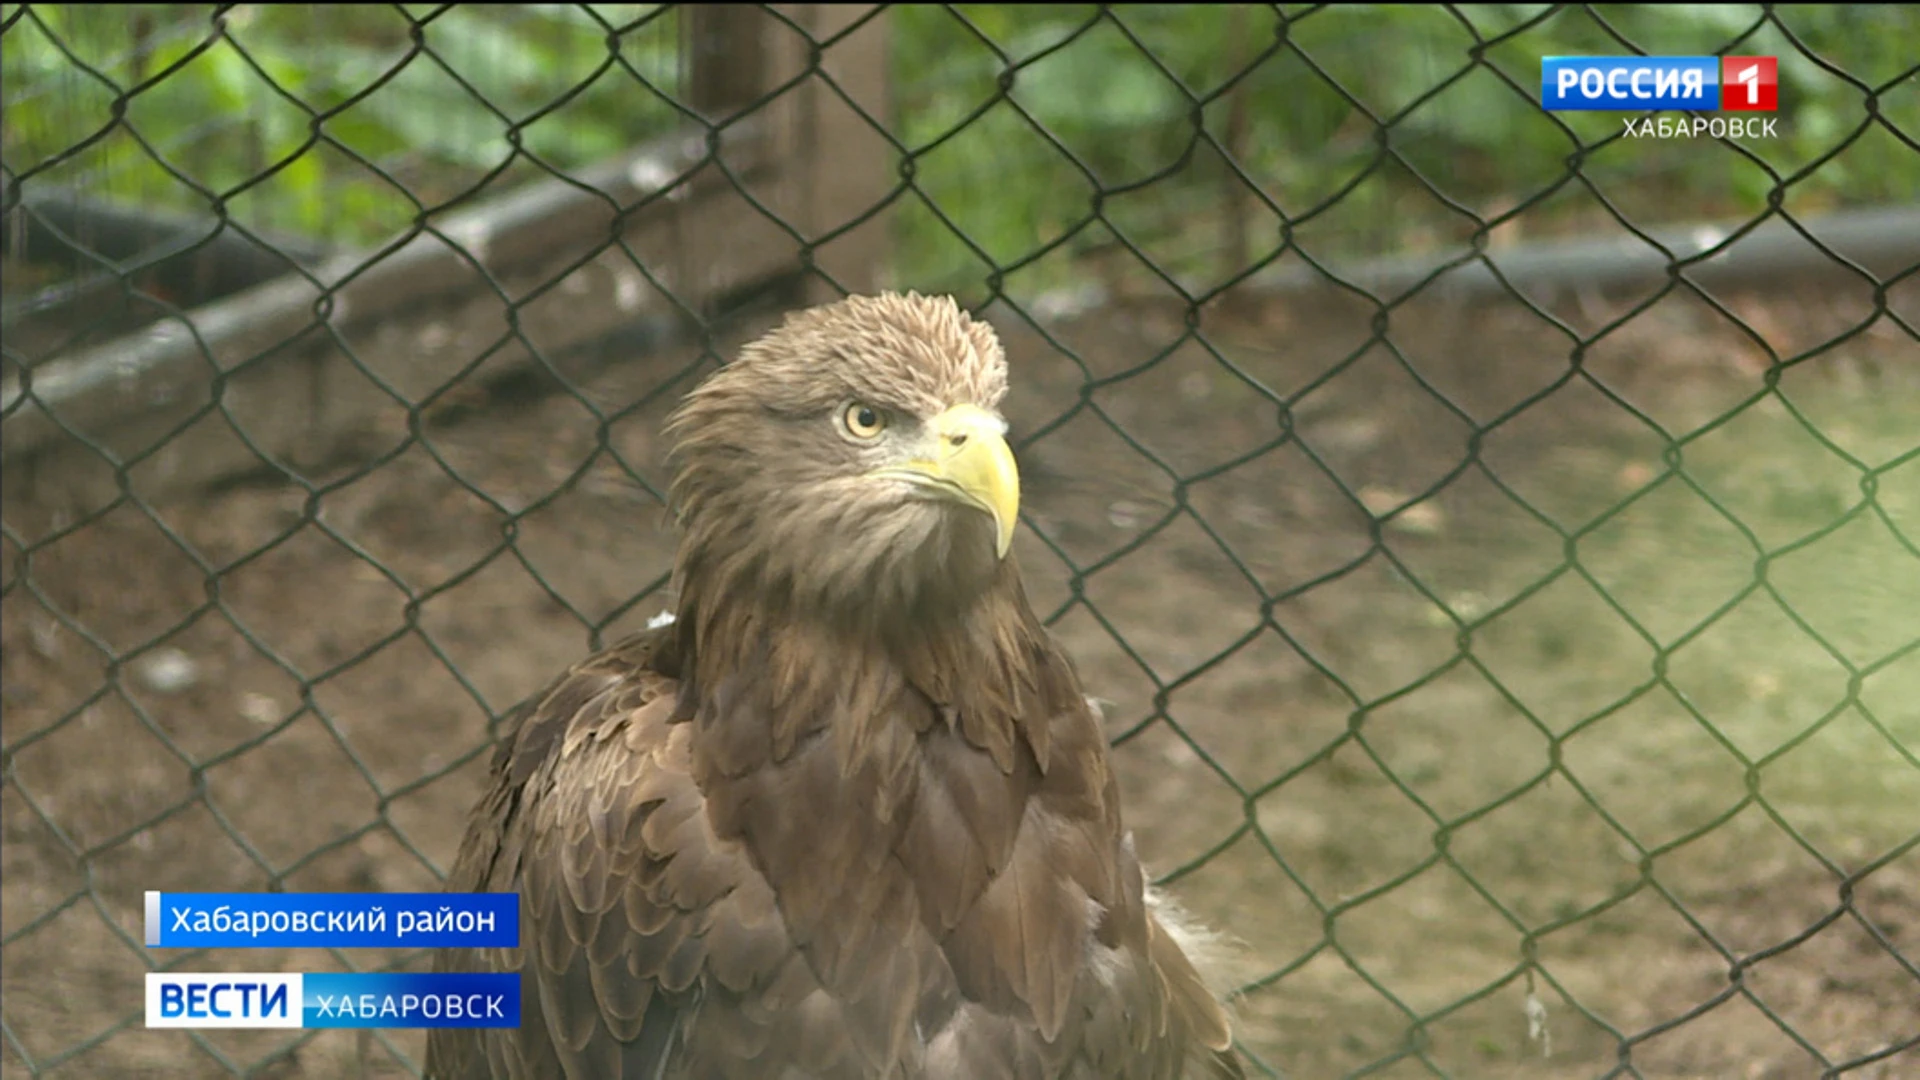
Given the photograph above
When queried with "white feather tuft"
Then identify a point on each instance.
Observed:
(1216, 956)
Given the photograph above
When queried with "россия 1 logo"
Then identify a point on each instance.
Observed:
(1645, 84)
(1639, 83)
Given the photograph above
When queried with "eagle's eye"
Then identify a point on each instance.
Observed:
(863, 421)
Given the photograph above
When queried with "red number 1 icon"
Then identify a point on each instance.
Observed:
(1749, 83)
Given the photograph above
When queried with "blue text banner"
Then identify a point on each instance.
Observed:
(332, 920)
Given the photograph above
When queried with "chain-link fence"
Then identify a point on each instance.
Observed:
(1496, 533)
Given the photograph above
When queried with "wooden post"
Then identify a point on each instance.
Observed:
(832, 166)
(725, 45)
(850, 166)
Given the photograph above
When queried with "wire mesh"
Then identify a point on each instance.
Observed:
(1529, 682)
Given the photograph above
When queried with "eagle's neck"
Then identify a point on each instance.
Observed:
(941, 786)
(985, 668)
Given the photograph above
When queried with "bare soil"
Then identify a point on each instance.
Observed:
(1471, 699)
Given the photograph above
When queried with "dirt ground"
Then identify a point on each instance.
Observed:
(1550, 774)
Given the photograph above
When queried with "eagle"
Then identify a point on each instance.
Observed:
(848, 813)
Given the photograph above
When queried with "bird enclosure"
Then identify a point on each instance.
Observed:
(1494, 536)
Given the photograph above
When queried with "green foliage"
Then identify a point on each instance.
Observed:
(326, 120)
(1039, 135)
(1351, 119)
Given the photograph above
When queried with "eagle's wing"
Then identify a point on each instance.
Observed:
(638, 920)
(626, 895)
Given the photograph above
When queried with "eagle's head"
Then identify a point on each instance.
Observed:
(851, 463)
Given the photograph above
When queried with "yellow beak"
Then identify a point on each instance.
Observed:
(966, 458)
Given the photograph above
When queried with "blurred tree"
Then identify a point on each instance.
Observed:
(1039, 135)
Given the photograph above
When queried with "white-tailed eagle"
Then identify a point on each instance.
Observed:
(850, 814)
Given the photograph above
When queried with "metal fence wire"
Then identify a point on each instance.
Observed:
(1503, 586)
